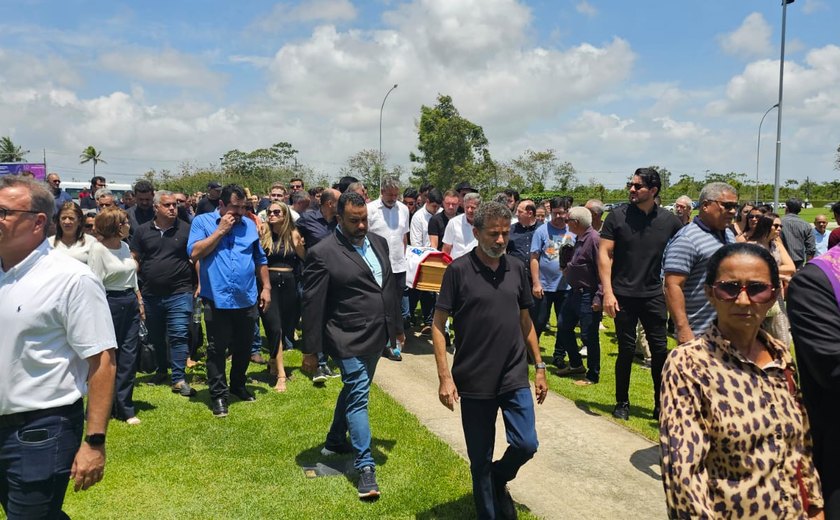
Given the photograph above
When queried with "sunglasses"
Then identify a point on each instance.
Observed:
(754, 216)
(757, 292)
(275, 212)
(728, 206)
(88, 226)
(636, 185)
(777, 226)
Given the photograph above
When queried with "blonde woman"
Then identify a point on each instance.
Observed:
(283, 246)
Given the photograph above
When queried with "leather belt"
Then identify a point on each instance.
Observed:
(16, 420)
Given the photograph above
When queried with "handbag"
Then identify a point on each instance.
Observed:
(147, 360)
(803, 492)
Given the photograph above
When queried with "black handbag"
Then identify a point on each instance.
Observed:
(147, 360)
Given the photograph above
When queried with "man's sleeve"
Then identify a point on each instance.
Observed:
(90, 329)
(446, 297)
(316, 284)
(449, 234)
(526, 300)
(197, 233)
(537, 241)
(810, 243)
(608, 228)
(680, 255)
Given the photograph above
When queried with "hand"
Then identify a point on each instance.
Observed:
(142, 312)
(447, 393)
(684, 335)
(265, 298)
(88, 466)
(226, 223)
(310, 363)
(540, 386)
(197, 291)
(537, 291)
(596, 307)
(611, 305)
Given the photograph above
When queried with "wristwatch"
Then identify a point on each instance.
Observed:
(95, 439)
(540, 366)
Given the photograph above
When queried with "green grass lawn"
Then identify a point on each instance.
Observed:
(181, 462)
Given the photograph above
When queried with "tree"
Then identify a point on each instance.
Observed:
(91, 154)
(451, 148)
(837, 159)
(10, 152)
(538, 167)
(664, 177)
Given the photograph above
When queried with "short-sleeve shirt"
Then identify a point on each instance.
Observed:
(640, 241)
(392, 225)
(820, 241)
(688, 254)
(165, 266)
(459, 233)
(206, 205)
(490, 354)
(437, 227)
(53, 315)
(547, 241)
(115, 267)
(313, 227)
(420, 228)
(228, 273)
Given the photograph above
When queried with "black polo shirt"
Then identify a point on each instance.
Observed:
(519, 244)
(165, 266)
(489, 348)
(206, 205)
(437, 226)
(640, 241)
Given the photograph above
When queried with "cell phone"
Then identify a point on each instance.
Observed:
(34, 435)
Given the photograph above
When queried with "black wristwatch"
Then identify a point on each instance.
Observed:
(95, 439)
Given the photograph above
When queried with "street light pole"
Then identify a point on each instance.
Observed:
(380, 132)
(779, 120)
(758, 149)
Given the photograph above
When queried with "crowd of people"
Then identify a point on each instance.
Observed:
(736, 285)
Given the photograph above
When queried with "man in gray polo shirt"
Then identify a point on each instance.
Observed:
(687, 257)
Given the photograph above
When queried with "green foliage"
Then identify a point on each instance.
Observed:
(540, 167)
(451, 149)
(837, 159)
(369, 168)
(10, 152)
(91, 154)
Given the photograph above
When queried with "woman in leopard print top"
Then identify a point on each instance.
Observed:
(734, 439)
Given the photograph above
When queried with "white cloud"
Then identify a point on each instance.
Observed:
(751, 39)
(814, 6)
(586, 9)
(166, 67)
(284, 14)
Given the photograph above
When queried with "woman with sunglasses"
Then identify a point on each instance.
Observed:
(283, 246)
(70, 237)
(734, 436)
(111, 260)
(739, 225)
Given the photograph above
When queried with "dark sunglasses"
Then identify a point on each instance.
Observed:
(777, 226)
(757, 292)
(728, 206)
(88, 226)
(275, 212)
(754, 216)
(637, 185)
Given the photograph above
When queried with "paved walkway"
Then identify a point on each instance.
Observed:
(586, 467)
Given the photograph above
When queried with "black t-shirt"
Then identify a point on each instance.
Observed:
(640, 241)
(489, 348)
(165, 266)
(206, 205)
(437, 226)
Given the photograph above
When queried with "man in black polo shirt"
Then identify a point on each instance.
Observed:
(160, 247)
(490, 370)
(633, 239)
(210, 202)
(143, 210)
(437, 224)
(521, 234)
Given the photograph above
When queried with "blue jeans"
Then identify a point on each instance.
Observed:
(351, 410)
(578, 308)
(543, 305)
(125, 313)
(168, 320)
(478, 417)
(34, 473)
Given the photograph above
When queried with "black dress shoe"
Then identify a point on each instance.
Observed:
(506, 507)
(243, 394)
(220, 408)
(622, 411)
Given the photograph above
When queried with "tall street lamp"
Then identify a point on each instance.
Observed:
(779, 120)
(380, 132)
(758, 149)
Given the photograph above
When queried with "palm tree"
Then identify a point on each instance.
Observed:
(91, 154)
(10, 152)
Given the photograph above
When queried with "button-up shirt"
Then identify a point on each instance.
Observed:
(313, 227)
(392, 225)
(582, 271)
(228, 273)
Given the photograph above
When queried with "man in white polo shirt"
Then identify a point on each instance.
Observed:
(57, 340)
(458, 239)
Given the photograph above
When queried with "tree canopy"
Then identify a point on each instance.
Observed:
(10, 152)
(91, 154)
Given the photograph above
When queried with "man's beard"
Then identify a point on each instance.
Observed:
(489, 251)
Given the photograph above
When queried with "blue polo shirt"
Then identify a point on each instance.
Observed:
(228, 273)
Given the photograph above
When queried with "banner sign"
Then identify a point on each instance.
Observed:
(39, 170)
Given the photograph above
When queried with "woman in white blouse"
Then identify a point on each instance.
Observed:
(70, 237)
(111, 260)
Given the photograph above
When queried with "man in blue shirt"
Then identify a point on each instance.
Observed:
(60, 195)
(549, 244)
(227, 248)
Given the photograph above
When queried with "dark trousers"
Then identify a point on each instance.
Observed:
(232, 330)
(478, 417)
(35, 462)
(652, 314)
(543, 310)
(281, 316)
(125, 313)
(578, 308)
(168, 319)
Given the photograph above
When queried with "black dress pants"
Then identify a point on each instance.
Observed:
(652, 313)
(232, 330)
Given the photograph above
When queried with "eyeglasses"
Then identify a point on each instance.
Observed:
(296, 186)
(181, 201)
(275, 212)
(757, 292)
(754, 216)
(777, 226)
(55, 181)
(88, 226)
(728, 206)
(635, 185)
(4, 212)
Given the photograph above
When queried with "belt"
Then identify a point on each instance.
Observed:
(16, 420)
(122, 292)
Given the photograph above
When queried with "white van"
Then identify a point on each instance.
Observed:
(74, 188)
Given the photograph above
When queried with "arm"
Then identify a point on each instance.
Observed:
(316, 285)
(297, 242)
(786, 267)
(265, 292)
(810, 242)
(675, 298)
(203, 247)
(605, 258)
(447, 393)
(416, 229)
(89, 463)
(447, 248)
(433, 240)
(530, 336)
(537, 288)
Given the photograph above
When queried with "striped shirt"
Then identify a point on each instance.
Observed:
(688, 254)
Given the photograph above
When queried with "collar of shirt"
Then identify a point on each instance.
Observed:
(162, 231)
(781, 356)
(480, 266)
(362, 249)
(635, 209)
(24, 265)
(720, 235)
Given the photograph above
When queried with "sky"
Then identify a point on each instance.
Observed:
(609, 85)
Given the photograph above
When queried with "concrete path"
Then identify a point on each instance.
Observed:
(587, 466)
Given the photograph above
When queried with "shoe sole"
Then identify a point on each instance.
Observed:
(370, 494)
(319, 379)
(220, 415)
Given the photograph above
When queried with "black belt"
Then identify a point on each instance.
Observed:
(123, 292)
(16, 420)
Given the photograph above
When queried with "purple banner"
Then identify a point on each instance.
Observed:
(39, 170)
